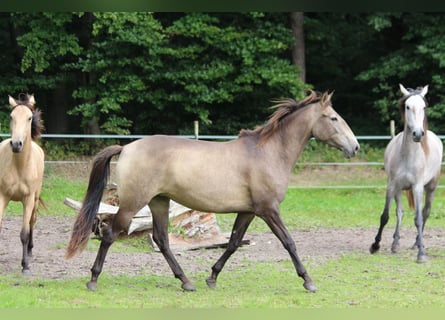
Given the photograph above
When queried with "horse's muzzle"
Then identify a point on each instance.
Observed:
(16, 146)
(352, 152)
(418, 135)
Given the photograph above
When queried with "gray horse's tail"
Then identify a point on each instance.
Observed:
(410, 195)
(96, 185)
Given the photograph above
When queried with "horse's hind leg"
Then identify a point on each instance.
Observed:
(383, 221)
(110, 233)
(430, 190)
(273, 220)
(239, 228)
(159, 209)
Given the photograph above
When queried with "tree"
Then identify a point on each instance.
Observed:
(223, 69)
(149, 73)
(414, 56)
(40, 44)
(298, 50)
(340, 46)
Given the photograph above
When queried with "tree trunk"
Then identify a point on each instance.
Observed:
(298, 51)
(56, 116)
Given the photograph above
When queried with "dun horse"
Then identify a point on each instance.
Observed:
(412, 162)
(248, 175)
(21, 168)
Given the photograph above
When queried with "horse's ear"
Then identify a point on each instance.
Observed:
(329, 97)
(403, 90)
(424, 91)
(31, 99)
(12, 102)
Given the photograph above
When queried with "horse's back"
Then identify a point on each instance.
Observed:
(199, 174)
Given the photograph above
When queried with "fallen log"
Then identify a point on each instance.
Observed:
(190, 229)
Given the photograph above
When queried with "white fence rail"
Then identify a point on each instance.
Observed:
(208, 137)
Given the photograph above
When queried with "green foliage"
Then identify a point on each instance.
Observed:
(127, 70)
(141, 72)
(46, 42)
(415, 57)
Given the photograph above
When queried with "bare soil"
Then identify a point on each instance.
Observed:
(314, 245)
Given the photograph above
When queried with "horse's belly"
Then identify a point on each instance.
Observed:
(212, 200)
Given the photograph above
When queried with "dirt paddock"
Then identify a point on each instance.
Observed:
(316, 245)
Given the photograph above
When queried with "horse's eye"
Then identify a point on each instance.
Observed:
(30, 119)
(334, 118)
(407, 107)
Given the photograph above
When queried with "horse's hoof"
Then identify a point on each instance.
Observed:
(27, 272)
(395, 248)
(211, 283)
(188, 286)
(92, 285)
(374, 248)
(422, 258)
(310, 286)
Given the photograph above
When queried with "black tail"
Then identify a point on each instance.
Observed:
(98, 180)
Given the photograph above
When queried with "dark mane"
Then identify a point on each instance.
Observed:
(37, 126)
(285, 107)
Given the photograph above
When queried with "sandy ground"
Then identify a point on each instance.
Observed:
(315, 245)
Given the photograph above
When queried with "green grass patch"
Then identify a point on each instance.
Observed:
(353, 281)
(349, 207)
(54, 191)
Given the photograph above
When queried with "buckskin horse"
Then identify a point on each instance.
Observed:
(21, 168)
(248, 175)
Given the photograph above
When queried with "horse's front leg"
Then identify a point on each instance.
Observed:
(273, 219)
(419, 222)
(26, 233)
(399, 214)
(239, 228)
(3, 203)
(383, 219)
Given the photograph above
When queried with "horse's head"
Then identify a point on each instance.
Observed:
(412, 107)
(21, 122)
(332, 129)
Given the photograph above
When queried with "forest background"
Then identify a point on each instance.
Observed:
(148, 73)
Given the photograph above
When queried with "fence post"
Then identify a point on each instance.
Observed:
(392, 128)
(196, 123)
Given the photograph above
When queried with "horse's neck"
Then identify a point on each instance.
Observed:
(22, 158)
(294, 136)
(411, 149)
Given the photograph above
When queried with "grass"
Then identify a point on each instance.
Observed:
(349, 207)
(353, 281)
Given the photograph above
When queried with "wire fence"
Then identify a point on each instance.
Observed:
(128, 138)
(208, 137)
